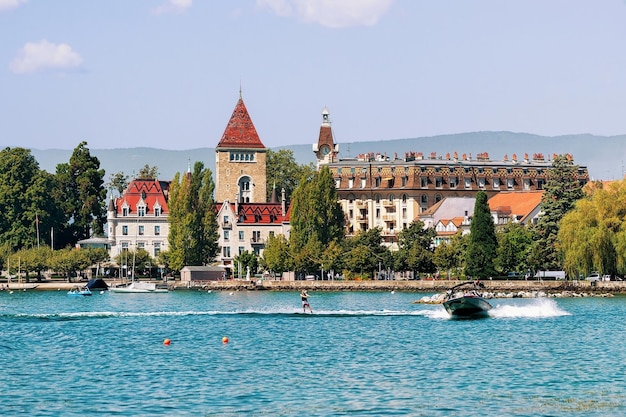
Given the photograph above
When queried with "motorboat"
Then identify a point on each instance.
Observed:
(467, 303)
(139, 287)
(79, 292)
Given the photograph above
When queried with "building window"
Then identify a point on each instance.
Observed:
(468, 183)
(377, 182)
(141, 245)
(363, 182)
(526, 185)
(157, 248)
(540, 184)
(337, 182)
(124, 211)
(157, 230)
(271, 233)
(241, 235)
(140, 230)
(226, 251)
(124, 246)
(226, 235)
(453, 181)
(404, 212)
(424, 199)
(241, 250)
(157, 211)
(141, 211)
(225, 219)
(378, 213)
(404, 198)
(495, 183)
(510, 183)
(125, 230)
(423, 182)
(438, 182)
(481, 182)
(350, 182)
(438, 198)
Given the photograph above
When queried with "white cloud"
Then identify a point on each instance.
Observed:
(10, 4)
(331, 13)
(173, 6)
(45, 55)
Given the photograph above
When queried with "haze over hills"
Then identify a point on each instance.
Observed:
(604, 156)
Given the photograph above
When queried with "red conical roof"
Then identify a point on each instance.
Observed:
(240, 131)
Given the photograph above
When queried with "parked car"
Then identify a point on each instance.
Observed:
(593, 277)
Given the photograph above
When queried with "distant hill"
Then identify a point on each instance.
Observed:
(604, 156)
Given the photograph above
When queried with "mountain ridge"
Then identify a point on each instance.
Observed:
(603, 156)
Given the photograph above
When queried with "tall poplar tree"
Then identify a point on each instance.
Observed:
(193, 232)
(483, 244)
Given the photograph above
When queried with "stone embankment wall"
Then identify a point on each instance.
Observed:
(416, 286)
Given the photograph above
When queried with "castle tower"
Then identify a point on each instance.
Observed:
(325, 149)
(240, 159)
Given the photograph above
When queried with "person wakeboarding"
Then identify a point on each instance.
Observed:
(304, 295)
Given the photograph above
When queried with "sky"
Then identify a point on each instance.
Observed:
(168, 73)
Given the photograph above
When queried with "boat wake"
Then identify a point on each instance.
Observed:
(538, 308)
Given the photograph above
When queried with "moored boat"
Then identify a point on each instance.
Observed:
(79, 292)
(468, 304)
(139, 287)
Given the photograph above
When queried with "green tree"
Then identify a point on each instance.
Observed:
(82, 195)
(244, 261)
(592, 236)
(69, 261)
(276, 255)
(365, 253)
(283, 172)
(193, 224)
(138, 259)
(415, 251)
(562, 191)
(148, 172)
(514, 241)
(118, 182)
(27, 213)
(481, 250)
(315, 213)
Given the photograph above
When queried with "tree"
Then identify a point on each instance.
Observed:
(366, 254)
(25, 202)
(247, 261)
(148, 172)
(276, 255)
(562, 190)
(82, 195)
(118, 181)
(592, 236)
(283, 172)
(69, 261)
(415, 251)
(481, 250)
(134, 260)
(193, 223)
(315, 212)
(514, 242)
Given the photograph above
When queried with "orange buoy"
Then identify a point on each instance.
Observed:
(224, 339)
(167, 342)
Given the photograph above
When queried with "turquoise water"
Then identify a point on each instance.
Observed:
(359, 354)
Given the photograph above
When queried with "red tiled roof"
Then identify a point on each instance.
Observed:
(240, 131)
(259, 213)
(152, 191)
(516, 203)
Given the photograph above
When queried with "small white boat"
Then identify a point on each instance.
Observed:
(139, 287)
(79, 292)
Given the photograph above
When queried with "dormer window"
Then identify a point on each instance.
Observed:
(141, 211)
(124, 211)
(157, 211)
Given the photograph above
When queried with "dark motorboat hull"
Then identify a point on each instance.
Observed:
(467, 306)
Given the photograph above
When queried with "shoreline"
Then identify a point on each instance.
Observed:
(418, 286)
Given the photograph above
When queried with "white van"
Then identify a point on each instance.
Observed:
(550, 275)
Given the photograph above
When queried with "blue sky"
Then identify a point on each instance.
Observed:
(167, 73)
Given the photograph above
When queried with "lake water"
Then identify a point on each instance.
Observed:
(359, 354)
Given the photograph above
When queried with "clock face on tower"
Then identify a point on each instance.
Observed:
(325, 150)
